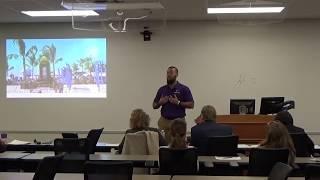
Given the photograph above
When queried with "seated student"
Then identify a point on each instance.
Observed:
(208, 128)
(286, 119)
(140, 121)
(3, 146)
(178, 132)
(278, 137)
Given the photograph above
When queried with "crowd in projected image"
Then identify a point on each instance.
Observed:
(56, 68)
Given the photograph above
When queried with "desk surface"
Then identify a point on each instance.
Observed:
(38, 155)
(13, 155)
(250, 146)
(29, 176)
(116, 157)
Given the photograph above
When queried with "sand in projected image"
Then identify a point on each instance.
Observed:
(56, 68)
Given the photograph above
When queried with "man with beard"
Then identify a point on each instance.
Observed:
(173, 98)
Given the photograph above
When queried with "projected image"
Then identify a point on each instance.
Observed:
(56, 68)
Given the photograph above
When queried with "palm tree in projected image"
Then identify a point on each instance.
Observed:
(9, 57)
(32, 59)
(82, 61)
(50, 52)
(75, 67)
(88, 64)
(22, 52)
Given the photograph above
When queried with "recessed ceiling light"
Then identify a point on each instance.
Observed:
(245, 10)
(60, 13)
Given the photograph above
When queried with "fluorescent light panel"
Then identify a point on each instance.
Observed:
(245, 10)
(60, 13)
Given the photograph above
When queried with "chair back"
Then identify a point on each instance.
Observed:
(71, 146)
(312, 172)
(76, 153)
(280, 171)
(103, 170)
(262, 160)
(70, 135)
(178, 161)
(47, 168)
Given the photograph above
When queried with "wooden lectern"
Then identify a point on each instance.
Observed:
(251, 129)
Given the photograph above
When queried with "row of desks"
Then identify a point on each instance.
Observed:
(244, 160)
(28, 176)
(104, 147)
(101, 147)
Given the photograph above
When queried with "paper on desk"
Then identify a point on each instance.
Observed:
(315, 159)
(227, 158)
(106, 144)
(244, 146)
(17, 142)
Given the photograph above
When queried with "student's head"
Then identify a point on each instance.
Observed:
(178, 131)
(278, 137)
(172, 74)
(208, 112)
(139, 119)
(284, 117)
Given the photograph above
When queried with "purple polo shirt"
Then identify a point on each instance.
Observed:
(169, 110)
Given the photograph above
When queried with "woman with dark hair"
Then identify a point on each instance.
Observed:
(286, 119)
(278, 137)
(178, 133)
(140, 121)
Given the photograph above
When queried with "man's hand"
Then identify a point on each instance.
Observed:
(163, 100)
(174, 100)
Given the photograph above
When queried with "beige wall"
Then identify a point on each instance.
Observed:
(217, 62)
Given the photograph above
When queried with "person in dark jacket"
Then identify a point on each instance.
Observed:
(3, 146)
(286, 119)
(140, 121)
(208, 128)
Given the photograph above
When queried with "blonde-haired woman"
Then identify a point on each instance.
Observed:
(140, 121)
(278, 137)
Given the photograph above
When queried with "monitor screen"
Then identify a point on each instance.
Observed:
(56, 68)
(271, 105)
(242, 106)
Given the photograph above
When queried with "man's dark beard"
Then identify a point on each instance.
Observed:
(170, 81)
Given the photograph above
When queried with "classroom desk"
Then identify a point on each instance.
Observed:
(227, 178)
(101, 147)
(11, 160)
(12, 155)
(29, 176)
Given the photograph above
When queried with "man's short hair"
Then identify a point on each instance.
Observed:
(208, 112)
(173, 67)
